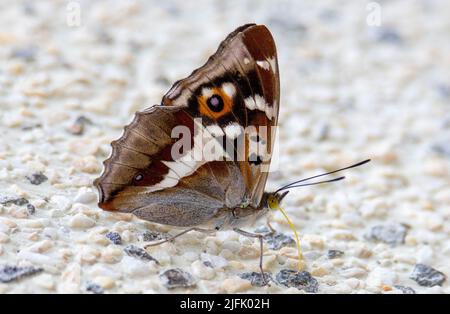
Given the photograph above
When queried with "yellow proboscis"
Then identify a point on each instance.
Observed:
(274, 204)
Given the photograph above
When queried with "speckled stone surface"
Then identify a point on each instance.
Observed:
(350, 90)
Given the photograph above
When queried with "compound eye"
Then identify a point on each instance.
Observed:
(272, 202)
(215, 103)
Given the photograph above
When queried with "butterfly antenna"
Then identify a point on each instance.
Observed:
(312, 183)
(296, 183)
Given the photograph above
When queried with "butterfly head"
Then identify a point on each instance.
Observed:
(274, 199)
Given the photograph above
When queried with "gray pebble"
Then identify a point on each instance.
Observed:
(275, 240)
(19, 201)
(311, 256)
(12, 273)
(31, 126)
(94, 288)
(37, 178)
(288, 25)
(405, 290)
(78, 127)
(334, 254)
(390, 233)
(301, 280)
(140, 253)
(388, 35)
(28, 8)
(31, 209)
(176, 278)
(427, 276)
(104, 37)
(25, 53)
(256, 278)
(114, 237)
(149, 236)
(443, 90)
(329, 15)
(442, 148)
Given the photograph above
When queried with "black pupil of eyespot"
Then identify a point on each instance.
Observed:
(215, 103)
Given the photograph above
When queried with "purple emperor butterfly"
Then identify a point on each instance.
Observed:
(200, 160)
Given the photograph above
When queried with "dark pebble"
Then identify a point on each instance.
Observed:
(140, 253)
(12, 273)
(334, 254)
(94, 288)
(19, 201)
(37, 178)
(390, 233)
(256, 278)
(176, 278)
(105, 37)
(163, 80)
(405, 290)
(288, 25)
(442, 148)
(28, 8)
(31, 126)
(31, 209)
(78, 127)
(114, 237)
(149, 236)
(275, 240)
(329, 15)
(301, 280)
(427, 276)
(443, 90)
(324, 132)
(26, 53)
(388, 35)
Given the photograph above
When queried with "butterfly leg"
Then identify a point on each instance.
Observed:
(178, 235)
(269, 225)
(260, 237)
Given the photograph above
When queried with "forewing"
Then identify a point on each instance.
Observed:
(244, 71)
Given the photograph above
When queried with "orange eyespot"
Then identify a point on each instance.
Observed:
(214, 103)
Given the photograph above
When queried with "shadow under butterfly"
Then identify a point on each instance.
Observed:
(230, 101)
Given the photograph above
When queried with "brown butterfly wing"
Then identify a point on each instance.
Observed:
(246, 59)
(142, 177)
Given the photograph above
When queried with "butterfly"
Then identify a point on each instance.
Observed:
(200, 160)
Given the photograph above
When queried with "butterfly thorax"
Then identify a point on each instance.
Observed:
(243, 215)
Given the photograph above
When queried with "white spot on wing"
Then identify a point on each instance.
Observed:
(259, 103)
(264, 64)
(195, 158)
(246, 61)
(229, 89)
(178, 168)
(250, 103)
(233, 130)
(215, 130)
(167, 182)
(273, 64)
(207, 92)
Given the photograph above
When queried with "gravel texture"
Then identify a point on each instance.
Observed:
(350, 90)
